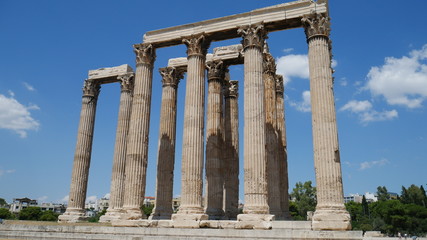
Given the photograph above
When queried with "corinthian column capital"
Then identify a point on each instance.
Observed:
(269, 64)
(231, 89)
(197, 45)
(126, 82)
(171, 76)
(253, 35)
(216, 70)
(145, 53)
(316, 25)
(91, 88)
(279, 84)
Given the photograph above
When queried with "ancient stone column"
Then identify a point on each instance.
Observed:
(271, 135)
(137, 146)
(256, 207)
(119, 161)
(166, 150)
(76, 203)
(282, 153)
(330, 212)
(231, 150)
(214, 142)
(191, 209)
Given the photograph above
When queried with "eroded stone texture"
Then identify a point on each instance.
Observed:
(76, 204)
(282, 153)
(330, 212)
(271, 135)
(214, 142)
(191, 209)
(254, 130)
(231, 150)
(119, 161)
(137, 146)
(166, 148)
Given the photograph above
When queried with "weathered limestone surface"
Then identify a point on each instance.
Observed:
(214, 142)
(107, 75)
(191, 210)
(166, 148)
(282, 148)
(119, 160)
(231, 149)
(271, 135)
(76, 204)
(136, 157)
(330, 212)
(254, 130)
(278, 17)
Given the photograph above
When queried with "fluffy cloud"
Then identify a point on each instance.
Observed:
(379, 163)
(305, 104)
(293, 65)
(65, 199)
(15, 116)
(402, 81)
(366, 112)
(2, 171)
(91, 199)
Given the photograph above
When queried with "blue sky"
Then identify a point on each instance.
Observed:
(47, 48)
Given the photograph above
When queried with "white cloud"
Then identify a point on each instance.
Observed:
(293, 65)
(305, 104)
(379, 163)
(357, 106)
(107, 195)
(366, 112)
(91, 199)
(402, 81)
(17, 117)
(3, 171)
(28, 86)
(42, 198)
(288, 50)
(65, 199)
(343, 82)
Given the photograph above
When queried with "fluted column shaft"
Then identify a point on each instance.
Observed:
(136, 156)
(330, 211)
(119, 161)
(271, 136)
(193, 134)
(254, 130)
(166, 149)
(282, 154)
(79, 179)
(214, 142)
(231, 150)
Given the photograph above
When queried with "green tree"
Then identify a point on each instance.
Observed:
(30, 213)
(5, 214)
(382, 193)
(365, 207)
(304, 196)
(147, 209)
(97, 216)
(49, 216)
(2, 202)
(413, 194)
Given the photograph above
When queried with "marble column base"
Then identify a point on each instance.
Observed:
(132, 214)
(160, 216)
(215, 214)
(110, 215)
(73, 215)
(331, 219)
(188, 220)
(254, 221)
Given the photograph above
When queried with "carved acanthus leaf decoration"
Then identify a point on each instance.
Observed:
(216, 70)
(197, 45)
(127, 82)
(316, 25)
(231, 89)
(253, 35)
(170, 76)
(145, 53)
(269, 64)
(91, 88)
(279, 84)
